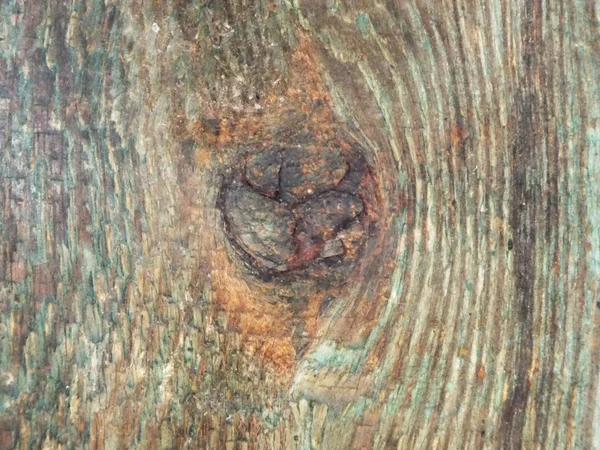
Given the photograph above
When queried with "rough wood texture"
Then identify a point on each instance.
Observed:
(471, 320)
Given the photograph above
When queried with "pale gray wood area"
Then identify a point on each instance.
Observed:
(470, 320)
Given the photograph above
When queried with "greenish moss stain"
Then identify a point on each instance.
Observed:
(363, 22)
(593, 187)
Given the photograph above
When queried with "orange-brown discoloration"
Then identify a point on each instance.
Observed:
(265, 324)
(259, 312)
(481, 372)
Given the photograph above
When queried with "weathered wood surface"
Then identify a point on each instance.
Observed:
(127, 320)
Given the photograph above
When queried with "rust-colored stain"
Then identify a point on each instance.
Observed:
(254, 309)
(458, 134)
(481, 372)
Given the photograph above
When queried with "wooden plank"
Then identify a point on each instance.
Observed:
(464, 316)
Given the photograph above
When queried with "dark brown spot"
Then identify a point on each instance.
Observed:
(305, 172)
(262, 172)
(261, 226)
(300, 210)
(323, 216)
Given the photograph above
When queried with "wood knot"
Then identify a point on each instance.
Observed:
(301, 211)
